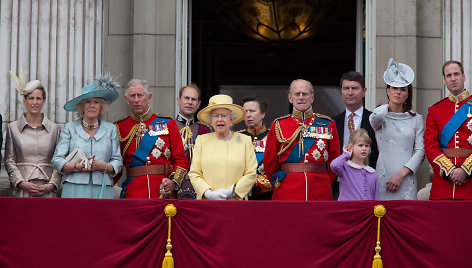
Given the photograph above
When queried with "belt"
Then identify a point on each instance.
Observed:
(457, 152)
(304, 167)
(149, 170)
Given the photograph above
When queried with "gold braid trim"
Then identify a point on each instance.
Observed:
(467, 165)
(187, 139)
(285, 142)
(130, 137)
(445, 164)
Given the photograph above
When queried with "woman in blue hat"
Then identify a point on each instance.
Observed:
(88, 153)
(399, 133)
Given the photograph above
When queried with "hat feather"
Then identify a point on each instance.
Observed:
(19, 81)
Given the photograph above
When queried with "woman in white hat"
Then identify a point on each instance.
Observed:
(29, 145)
(88, 153)
(399, 133)
(224, 163)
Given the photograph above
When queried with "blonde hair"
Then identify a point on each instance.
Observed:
(357, 136)
(104, 107)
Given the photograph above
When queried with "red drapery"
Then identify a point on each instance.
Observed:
(41, 232)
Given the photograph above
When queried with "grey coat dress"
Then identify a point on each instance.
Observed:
(401, 144)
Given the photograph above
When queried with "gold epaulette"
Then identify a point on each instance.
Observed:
(160, 115)
(324, 116)
(282, 117)
(119, 120)
(241, 131)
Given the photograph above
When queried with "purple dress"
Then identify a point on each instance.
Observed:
(355, 182)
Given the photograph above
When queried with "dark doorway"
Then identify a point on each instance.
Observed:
(226, 58)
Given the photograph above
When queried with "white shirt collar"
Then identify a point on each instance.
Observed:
(356, 166)
(357, 112)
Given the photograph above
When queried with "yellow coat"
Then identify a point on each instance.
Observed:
(220, 164)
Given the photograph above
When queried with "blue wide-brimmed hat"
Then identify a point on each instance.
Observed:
(398, 74)
(104, 87)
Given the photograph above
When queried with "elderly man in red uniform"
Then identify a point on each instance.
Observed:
(300, 146)
(151, 147)
(448, 138)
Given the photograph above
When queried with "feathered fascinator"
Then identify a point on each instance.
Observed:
(103, 87)
(21, 85)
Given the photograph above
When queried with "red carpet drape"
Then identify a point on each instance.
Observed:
(40, 232)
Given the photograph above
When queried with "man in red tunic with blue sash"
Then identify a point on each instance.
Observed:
(448, 138)
(300, 146)
(151, 147)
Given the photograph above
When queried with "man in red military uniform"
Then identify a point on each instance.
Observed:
(448, 138)
(151, 147)
(300, 146)
(189, 101)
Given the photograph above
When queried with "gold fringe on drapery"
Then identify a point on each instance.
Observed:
(168, 262)
(379, 212)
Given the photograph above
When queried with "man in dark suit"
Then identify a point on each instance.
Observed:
(353, 92)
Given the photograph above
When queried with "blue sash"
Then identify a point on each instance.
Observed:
(453, 124)
(145, 147)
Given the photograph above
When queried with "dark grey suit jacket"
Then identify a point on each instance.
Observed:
(365, 124)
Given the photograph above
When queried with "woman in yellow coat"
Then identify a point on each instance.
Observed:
(224, 163)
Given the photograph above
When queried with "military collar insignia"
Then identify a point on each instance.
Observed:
(257, 131)
(144, 117)
(182, 119)
(464, 95)
(302, 115)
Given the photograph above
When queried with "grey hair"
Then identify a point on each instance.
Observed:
(104, 108)
(233, 114)
(310, 86)
(135, 81)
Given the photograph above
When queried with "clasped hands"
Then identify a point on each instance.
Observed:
(220, 194)
(88, 164)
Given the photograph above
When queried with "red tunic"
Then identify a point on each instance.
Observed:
(295, 186)
(167, 150)
(438, 116)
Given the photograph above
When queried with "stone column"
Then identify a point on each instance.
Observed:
(141, 43)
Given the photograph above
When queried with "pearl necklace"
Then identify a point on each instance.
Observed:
(90, 126)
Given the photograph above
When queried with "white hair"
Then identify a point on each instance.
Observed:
(135, 81)
(310, 85)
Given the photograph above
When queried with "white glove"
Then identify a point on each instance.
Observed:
(226, 192)
(214, 195)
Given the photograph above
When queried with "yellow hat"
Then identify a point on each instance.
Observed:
(221, 101)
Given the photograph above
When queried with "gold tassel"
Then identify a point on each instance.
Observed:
(379, 212)
(168, 262)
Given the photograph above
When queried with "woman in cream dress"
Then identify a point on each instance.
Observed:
(399, 133)
(224, 163)
(29, 146)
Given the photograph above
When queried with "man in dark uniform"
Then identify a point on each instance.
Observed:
(151, 147)
(300, 147)
(256, 107)
(354, 117)
(189, 101)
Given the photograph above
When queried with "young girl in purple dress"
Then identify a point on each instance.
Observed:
(357, 180)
